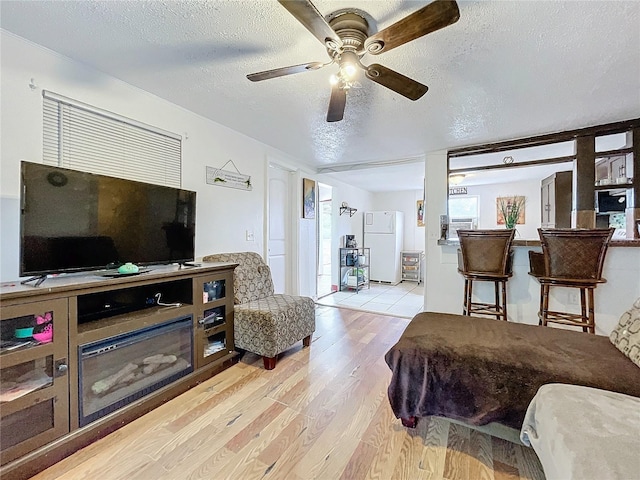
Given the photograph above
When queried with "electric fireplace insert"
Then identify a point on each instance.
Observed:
(119, 370)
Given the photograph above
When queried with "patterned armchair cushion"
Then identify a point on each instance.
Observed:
(265, 323)
(251, 278)
(626, 335)
(268, 326)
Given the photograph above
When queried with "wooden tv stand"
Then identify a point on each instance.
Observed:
(42, 394)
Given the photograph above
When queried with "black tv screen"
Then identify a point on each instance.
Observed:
(608, 203)
(73, 221)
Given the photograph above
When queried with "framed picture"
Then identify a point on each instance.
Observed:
(420, 213)
(510, 211)
(308, 198)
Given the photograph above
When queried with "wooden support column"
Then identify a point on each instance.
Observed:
(584, 211)
(633, 203)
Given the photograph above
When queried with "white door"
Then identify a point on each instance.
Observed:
(277, 226)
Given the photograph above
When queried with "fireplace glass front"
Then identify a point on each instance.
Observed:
(119, 370)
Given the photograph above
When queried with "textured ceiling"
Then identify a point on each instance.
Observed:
(506, 69)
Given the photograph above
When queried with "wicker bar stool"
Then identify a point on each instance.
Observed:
(570, 258)
(485, 255)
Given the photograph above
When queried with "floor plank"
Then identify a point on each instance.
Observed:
(321, 413)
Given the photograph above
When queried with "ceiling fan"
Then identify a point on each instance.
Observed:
(347, 39)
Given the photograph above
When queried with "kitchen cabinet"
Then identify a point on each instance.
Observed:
(556, 198)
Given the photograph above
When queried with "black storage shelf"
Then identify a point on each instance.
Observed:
(97, 306)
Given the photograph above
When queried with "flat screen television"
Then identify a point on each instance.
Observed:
(608, 203)
(74, 221)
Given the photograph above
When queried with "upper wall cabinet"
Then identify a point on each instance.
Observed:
(555, 195)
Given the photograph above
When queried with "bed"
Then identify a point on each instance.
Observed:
(481, 371)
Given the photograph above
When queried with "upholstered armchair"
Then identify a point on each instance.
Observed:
(265, 323)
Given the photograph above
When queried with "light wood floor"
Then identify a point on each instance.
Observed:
(322, 413)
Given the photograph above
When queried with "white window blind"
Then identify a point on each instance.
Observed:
(85, 138)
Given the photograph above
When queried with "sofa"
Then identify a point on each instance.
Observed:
(482, 371)
(584, 433)
(265, 323)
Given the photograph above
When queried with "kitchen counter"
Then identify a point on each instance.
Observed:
(536, 243)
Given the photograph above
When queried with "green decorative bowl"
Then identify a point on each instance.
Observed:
(24, 332)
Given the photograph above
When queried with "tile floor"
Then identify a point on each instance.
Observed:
(402, 300)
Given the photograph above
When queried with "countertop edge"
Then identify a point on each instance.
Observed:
(536, 243)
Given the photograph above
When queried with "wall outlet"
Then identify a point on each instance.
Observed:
(573, 298)
(250, 236)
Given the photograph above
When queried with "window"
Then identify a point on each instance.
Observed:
(85, 138)
(463, 214)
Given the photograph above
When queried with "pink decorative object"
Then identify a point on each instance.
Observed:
(43, 331)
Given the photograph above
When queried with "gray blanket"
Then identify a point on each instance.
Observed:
(480, 370)
(582, 433)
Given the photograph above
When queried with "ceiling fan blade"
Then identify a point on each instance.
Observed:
(395, 81)
(281, 72)
(337, 104)
(430, 18)
(307, 14)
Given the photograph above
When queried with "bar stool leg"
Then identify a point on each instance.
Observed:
(504, 300)
(496, 286)
(583, 310)
(592, 315)
(541, 309)
(545, 304)
(469, 294)
(465, 304)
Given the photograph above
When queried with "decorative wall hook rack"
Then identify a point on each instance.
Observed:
(345, 208)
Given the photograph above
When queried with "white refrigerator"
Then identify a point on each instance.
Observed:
(383, 234)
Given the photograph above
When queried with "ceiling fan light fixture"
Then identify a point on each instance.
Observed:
(456, 179)
(333, 79)
(349, 69)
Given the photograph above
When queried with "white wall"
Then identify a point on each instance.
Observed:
(444, 285)
(406, 202)
(488, 212)
(223, 214)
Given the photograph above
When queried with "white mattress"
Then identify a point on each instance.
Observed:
(584, 433)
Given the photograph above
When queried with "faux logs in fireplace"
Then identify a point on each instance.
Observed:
(119, 370)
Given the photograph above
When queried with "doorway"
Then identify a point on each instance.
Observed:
(325, 218)
(278, 231)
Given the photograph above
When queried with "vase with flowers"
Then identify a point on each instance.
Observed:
(511, 209)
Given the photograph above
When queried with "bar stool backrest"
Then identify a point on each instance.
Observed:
(486, 251)
(574, 253)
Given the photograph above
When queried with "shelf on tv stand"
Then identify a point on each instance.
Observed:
(131, 300)
(112, 326)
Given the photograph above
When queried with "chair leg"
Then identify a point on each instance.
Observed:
(409, 422)
(269, 362)
(464, 299)
(469, 292)
(592, 315)
(545, 306)
(541, 309)
(496, 287)
(583, 310)
(504, 301)
(306, 341)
